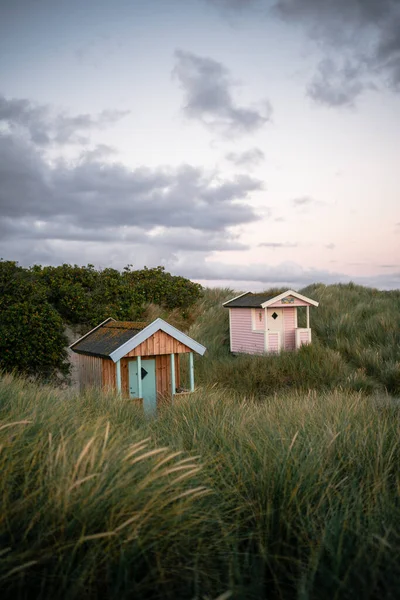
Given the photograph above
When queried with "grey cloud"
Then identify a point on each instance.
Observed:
(286, 273)
(330, 246)
(207, 86)
(44, 126)
(278, 245)
(303, 200)
(183, 238)
(97, 202)
(336, 85)
(366, 31)
(248, 158)
(361, 40)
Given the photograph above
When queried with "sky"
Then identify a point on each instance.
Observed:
(243, 143)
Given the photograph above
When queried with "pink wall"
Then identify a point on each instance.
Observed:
(304, 337)
(259, 323)
(243, 339)
(273, 342)
(289, 324)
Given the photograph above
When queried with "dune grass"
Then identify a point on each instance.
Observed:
(220, 496)
(356, 345)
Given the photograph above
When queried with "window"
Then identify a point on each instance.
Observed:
(274, 315)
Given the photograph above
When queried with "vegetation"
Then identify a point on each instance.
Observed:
(356, 345)
(37, 303)
(278, 478)
(294, 497)
(32, 339)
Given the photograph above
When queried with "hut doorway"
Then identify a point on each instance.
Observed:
(275, 324)
(148, 380)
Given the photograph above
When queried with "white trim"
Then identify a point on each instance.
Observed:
(144, 334)
(235, 298)
(191, 371)
(295, 317)
(230, 328)
(91, 331)
(289, 293)
(297, 336)
(173, 383)
(254, 319)
(266, 339)
(139, 376)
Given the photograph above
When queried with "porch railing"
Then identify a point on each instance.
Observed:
(303, 336)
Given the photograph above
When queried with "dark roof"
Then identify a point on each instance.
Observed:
(249, 300)
(107, 338)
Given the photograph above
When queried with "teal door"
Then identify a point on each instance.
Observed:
(148, 377)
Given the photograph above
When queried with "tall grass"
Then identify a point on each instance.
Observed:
(356, 345)
(295, 497)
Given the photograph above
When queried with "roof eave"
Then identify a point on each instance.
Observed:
(289, 293)
(91, 331)
(235, 298)
(150, 330)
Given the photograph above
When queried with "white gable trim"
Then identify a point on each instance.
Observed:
(150, 330)
(91, 331)
(235, 298)
(289, 293)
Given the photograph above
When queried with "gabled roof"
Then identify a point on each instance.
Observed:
(250, 300)
(247, 300)
(113, 339)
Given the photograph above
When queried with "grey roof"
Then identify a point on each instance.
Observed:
(107, 338)
(248, 300)
(114, 339)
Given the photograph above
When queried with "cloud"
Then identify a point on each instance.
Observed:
(248, 158)
(45, 126)
(51, 209)
(364, 34)
(359, 38)
(97, 194)
(278, 245)
(330, 246)
(290, 274)
(304, 200)
(335, 85)
(207, 86)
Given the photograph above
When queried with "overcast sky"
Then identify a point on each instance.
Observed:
(238, 142)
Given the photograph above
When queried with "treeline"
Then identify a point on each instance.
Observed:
(37, 302)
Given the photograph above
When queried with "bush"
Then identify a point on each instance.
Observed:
(32, 339)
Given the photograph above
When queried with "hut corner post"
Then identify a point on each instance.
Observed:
(173, 385)
(191, 371)
(266, 340)
(308, 317)
(119, 386)
(139, 376)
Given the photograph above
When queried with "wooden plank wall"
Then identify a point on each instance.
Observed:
(163, 374)
(109, 374)
(89, 371)
(159, 343)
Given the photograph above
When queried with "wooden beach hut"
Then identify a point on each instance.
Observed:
(260, 323)
(141, 361)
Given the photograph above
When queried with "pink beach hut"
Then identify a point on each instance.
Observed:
(259, 323)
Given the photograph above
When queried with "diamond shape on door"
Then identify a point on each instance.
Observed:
(143, 373)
